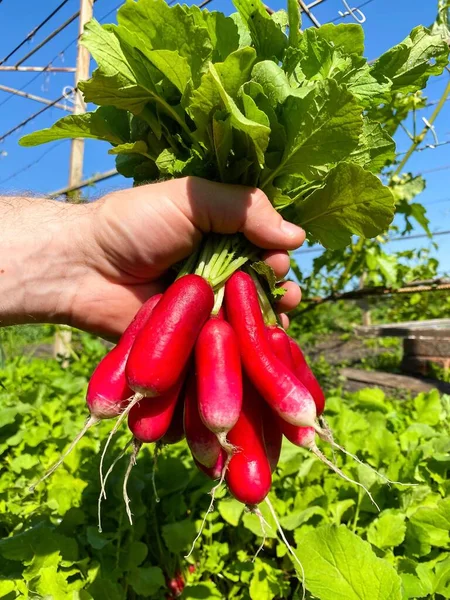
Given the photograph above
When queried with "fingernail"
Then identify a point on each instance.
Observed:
(291, 230)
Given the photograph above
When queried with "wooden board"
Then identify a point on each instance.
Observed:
(409, 329)
(382, 379)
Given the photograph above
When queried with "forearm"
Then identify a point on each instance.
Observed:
(41, 259)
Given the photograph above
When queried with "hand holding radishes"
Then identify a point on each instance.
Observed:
(92, 266)
(218, 111)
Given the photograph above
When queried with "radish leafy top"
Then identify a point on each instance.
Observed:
(250, 99)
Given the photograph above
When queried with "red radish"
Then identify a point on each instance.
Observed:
(219, 377)
(163, 346)
(305, 437)
(150, 418)
(280, 344)
(306, 376)
(108, 390)
(202, 442)
(216, 471)
(175, 433)
(274, 380)
(273, 436)
(249, 476)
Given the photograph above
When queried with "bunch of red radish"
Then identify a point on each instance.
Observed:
(228, 382)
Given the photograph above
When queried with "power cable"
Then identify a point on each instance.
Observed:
(35, 30)
(33, 163)
(30, 118)
(61, 52)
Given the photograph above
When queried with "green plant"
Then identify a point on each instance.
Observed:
(50, 545)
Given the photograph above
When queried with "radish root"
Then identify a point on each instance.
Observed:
(321, 456)
(90, 422)
(136, 398)
(137, 445)
(327, 436)
(108, 473)
(202, 526)
(212, 493)
(255, 510)
(288, 546)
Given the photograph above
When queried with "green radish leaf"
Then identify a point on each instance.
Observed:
(295, 22)
(267, 37)
(376, 148)
(410, 64)
(138, 147)
(387, 531)
(268, 274)
(354, 571)
(223, 33)
(348, 38)
(352, 202)
(153, 25)
(106, 123)
(430, 527)
(322, 127)
(146, 581)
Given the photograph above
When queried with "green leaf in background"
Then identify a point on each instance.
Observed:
(231, 510)
(410, 64)
(352, 202)
(268, 38)
(106, 123)
(146, 581)
(201, 591)
(375, 148)
(430, 526)
(353, 571)
(387, 531)
(179, 536)
(428, 407)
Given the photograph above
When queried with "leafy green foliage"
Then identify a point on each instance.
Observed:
(238, 99)
(50, 546)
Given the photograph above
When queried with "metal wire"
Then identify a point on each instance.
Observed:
(34, 31)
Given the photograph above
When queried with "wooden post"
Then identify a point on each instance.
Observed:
(63, 337)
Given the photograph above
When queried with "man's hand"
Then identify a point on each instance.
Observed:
(92, 266)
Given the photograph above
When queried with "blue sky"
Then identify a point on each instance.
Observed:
(387, 23)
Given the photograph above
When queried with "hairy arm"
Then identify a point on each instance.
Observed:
(41, 258)
(93, 265)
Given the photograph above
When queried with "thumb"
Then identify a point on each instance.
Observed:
(224, 208)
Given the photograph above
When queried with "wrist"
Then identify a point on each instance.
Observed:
(42, 259)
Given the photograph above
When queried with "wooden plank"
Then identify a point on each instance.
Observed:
(409, 329)
(382, 379)
(426, 346)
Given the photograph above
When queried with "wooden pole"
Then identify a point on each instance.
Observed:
(63, 337)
